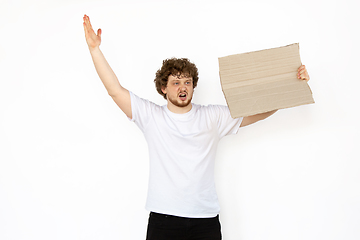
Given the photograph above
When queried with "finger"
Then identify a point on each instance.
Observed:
(99, 32)
(86, 28)
(301, 68)
(305, 76)
(302, 71)
(89, 30)
(87, 22)
(299, 74)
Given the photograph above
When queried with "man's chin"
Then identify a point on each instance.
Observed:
(180, 103)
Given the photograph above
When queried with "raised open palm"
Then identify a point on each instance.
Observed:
(93, 40)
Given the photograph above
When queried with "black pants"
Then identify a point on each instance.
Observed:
(167, 227)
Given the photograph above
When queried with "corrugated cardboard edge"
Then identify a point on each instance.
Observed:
(254, 113)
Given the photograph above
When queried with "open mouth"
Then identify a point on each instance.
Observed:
(182, 96)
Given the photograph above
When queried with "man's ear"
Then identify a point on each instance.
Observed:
(163, 89)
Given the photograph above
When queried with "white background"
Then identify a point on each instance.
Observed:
(73, 167)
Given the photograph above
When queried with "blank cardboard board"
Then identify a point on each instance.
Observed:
(263, 81)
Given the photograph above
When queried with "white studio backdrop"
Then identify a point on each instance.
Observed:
(73, 167)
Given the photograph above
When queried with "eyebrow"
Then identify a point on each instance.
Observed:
(183, 79)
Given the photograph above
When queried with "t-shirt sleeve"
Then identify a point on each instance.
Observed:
(225, 123)
(141, 110)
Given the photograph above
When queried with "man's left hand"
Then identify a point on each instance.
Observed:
(302, 73)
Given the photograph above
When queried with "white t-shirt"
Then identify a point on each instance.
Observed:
(182, 150)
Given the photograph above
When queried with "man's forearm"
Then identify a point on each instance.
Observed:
(105, 72)
(255, 118)
(264, 115)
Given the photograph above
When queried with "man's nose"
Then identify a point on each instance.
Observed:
(182, 86)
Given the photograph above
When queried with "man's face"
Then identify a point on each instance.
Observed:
(179, 90)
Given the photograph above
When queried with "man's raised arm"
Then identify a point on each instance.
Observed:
(120, 95)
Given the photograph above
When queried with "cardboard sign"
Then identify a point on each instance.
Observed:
(263, 81)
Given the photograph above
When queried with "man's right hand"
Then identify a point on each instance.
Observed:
(93, 40)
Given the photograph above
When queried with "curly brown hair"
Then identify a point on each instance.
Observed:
(177, 67)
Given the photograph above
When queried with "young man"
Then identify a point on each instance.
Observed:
(182, 139)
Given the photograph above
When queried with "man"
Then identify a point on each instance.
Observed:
(182, 139)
